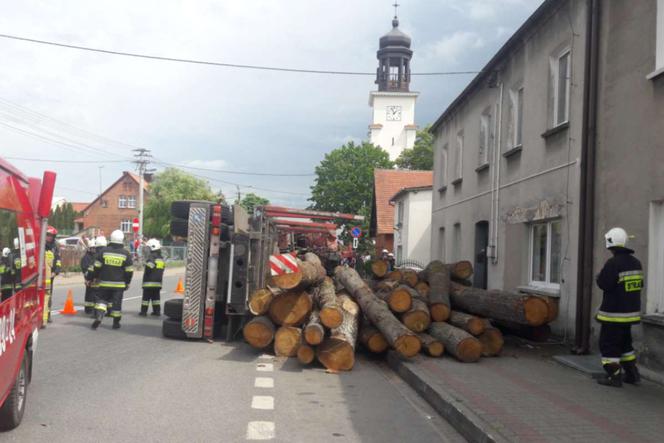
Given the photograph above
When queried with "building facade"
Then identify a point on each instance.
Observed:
(412, 232)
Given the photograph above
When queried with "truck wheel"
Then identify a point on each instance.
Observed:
(173, 329)
(173, 308)
(12, 411)
(179, 227)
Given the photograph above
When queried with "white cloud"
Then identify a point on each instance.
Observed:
(207, 164)
(449, 50)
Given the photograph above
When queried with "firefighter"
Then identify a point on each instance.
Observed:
(18, 266)
(152, 279)
(7, 273)
(621, 279)
(89, 259)
(113, 269)
(53, 260)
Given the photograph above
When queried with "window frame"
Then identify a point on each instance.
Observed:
(131, 202)
(555, 117)
(122, 202)
(518, 117)
(458, 158)
(444, 158)
(128, 223)
(659, 43)
(531, 243)
(484, 152)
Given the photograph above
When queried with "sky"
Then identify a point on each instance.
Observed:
(77, 106)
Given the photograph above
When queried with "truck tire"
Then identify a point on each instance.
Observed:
(179, 227)
(173, 329)
(11, 412)
(173, 308)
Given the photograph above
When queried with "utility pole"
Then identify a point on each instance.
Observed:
(100, 168)
(142, 157)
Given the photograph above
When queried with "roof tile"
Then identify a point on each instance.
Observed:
(387, 182)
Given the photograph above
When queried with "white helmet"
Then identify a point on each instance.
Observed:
(6, 252)
(91, 243)
(101, 242)
(154, 244)
(616, 237)
(16, 243)
(117, 236)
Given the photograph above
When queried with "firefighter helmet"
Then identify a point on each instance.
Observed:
(117, 237)
(51, 231)
(91, 243)
(101, 242)
(6, 252)
(154, 244)
(616, 238)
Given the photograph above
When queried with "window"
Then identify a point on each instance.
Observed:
(456, 253)
(131, 201)
(561, 88)
(444, 155)
(441, 243)
(400, 214)
(103, 203)
(660, 35)
(399, 257)
(655, 298)
(545, 253)
(125, 225)
(122, 201)
(515, 116)
(518, 137)
(485, 137)
(11, 265)
(458, 157)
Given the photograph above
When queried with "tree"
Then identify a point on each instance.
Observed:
(251, 200)
(420, 157)
(62, 218)
(166, 187)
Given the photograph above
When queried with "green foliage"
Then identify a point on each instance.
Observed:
(168, 186)
(62, 218)
(420, 157)
(251, 200)
(8, 229)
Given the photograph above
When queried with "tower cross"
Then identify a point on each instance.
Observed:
(396, 5)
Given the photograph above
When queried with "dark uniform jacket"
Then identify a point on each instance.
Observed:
(621, 279)
(154, 271)
(7, 272)
(86, 261)
(18, 267)
(53, 249)
(112, 267)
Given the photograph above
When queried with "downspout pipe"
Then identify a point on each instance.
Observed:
(585, 279)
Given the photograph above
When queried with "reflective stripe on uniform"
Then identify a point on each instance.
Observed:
(149, 284)
(619, 317)
(129, 269)
(609, 360)
(100, 307)
(145, 303)
(89, 304)
(97, 264)
(116, 314)
(160, 264)
(156, 302)
(149, 265)
(628, 356)
(111, 284)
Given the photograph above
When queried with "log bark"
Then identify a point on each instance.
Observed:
(423, 288)
(395, 275)
(337, 353)
(306, 354)
(371, 338)
(326, 299)
(500, 305)
(437, 275)
(491, 339)
(399, 299)
(461, 270)
(291, 308)
(433, 347)
(314, 332)
(409, 277)
(397, 335)
(259, 332)
(287, 341)
(457, 342)
(379, 268)
(386, 285)
(418, 317)
(469, 323)
(540, 333)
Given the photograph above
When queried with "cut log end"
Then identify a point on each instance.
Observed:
(492, 342)
(259, 332)
(287, 341)
(408, 345)
(336, 355)
(286, 281)
(410, 278)
(400, 300)
(476, 326)
(379, 268)
(331, 317)
(290, 309)
(536, 310)
(469, 350)
(306, 354)
(435, 349)
(439, 312)
(377, 344)
(314, 334)
(260, 300)
(416, 321)
(422, 288)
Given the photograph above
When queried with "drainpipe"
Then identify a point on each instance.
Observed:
(585, 278)
(495, 180)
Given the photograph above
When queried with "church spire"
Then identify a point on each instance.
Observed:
(393, 73)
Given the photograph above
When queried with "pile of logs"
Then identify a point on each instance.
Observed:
(311, 316)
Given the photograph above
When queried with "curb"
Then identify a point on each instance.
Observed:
(463, 419)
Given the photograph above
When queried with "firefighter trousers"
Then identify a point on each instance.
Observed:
(615, 343)
(108, 300)
(151, 295)
(89, 299)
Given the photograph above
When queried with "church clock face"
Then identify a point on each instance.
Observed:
(393, 113)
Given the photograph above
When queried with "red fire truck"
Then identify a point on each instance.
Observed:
(24, 207)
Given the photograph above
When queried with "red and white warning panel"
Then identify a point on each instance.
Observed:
(283, 264)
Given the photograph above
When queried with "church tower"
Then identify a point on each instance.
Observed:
(393, 124)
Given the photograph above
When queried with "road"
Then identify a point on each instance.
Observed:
(134, 385)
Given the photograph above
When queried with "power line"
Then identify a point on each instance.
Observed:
(222, 64)
(45, 160)
(223, 171)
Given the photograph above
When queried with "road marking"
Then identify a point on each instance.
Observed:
(266, 357)
(265, 367)
(264, 382)
(262, 402)
(260, 430)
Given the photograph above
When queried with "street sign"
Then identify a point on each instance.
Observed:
(134, 225)
(356, 232)
(355, 242)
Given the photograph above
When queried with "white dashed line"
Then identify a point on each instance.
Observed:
(266, 357)
(265, 367)
(260, 430)
(265, 402)
(264, 382)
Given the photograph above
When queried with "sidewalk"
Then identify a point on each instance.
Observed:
(76, 278)
(526, 396)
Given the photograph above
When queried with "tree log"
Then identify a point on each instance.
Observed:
(423, 288)
(259, 332)
(540, 333)
(310, 273)
(306, 354)
(314, 332)
(259, 301)
(437, 275)
(409, 277)
(337, 353)
(491, 339)
(291, 308)
(379, 268)
(461, 270)
(457, 342)
(326, 299)
(469, 323)
(395, 275)
(287, 341)
(312, 258)
(500, 305)
(418, 317)
(386, 285)
(432, 346)
(371, 338)
(397, 335)
(399, 300)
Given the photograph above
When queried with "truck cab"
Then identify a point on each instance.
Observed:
(24, 206)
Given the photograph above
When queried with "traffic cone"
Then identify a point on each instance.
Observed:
(179, 289)
(69, 304)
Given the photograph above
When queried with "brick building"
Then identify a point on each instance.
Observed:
(116, 207)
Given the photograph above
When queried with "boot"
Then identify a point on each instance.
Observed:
(144, 312)
(116, 323)
(156, 311)
(632, 375)
(613, 376)
(99, 315)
